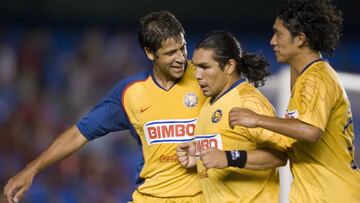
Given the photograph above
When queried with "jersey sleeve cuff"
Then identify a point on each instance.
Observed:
(84, 131)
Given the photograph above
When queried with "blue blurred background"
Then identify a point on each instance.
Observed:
(58, 58)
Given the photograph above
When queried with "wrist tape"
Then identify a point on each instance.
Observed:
(236, 158)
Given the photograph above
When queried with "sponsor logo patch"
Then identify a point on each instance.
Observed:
(170, 131)
(142, 110)
(291, 114)
(203, 174)
(203, 142)
(168, 158)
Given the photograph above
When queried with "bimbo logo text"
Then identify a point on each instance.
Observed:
(203, 142)
(170, 131)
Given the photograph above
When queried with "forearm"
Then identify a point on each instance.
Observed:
(290, 127)
(68, 142)
(265, 158)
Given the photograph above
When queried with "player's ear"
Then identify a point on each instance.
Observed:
(301, 39)
(150, 54)
(230, 67)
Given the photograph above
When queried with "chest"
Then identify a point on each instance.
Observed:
(163, 116)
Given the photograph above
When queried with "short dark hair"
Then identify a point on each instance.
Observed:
(320, 20)
(156, 27)
(225, 47)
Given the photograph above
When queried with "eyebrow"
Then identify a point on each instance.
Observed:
(174, 50)
(204, 64)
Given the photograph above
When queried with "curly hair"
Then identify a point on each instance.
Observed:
(156, 27)
(225, 47)
(319, 20)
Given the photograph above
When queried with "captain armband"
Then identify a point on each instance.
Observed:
(236, 158)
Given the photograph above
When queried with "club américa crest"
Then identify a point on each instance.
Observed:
(216, 117)
(190, 100)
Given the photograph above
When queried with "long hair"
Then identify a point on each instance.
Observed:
(225, 46)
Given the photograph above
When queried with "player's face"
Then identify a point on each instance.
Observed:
(283, 42)
(170, 58)
(211, 78)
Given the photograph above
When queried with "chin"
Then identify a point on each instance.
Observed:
(280, 60)
(207, 94)
(178, 76)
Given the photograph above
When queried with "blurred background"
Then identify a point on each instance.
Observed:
(58, 58)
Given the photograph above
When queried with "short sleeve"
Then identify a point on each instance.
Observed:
(106, 116)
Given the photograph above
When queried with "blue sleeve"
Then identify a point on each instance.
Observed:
(107, 116)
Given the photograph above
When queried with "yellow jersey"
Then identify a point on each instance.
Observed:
(159, 120)
(212, 130)
(323, 171)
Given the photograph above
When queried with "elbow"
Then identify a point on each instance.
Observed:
(278, 162)
(314, 135)
(313, 139)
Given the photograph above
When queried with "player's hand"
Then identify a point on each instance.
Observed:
(243, 117)
(16, 187)
(186, 154)
(213, 158)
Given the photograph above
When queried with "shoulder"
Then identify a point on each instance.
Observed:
(252, 98)
(189, 77)
(319, 79)
(191, 66)
(139, 77)
(190, 70)
(129, 81)
(320, 73)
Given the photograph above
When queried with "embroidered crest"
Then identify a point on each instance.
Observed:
(190, 100)
(216, 117)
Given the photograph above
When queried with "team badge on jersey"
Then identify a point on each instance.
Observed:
(216, 117)
(190, 100)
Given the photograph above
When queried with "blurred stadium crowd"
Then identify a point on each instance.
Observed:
(49, 78)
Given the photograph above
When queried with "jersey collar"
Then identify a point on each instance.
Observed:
(228, 90)
(311, 63)
(156, 82)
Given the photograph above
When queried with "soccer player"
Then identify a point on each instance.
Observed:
(159, 107)
(229, 77)
(318, 118)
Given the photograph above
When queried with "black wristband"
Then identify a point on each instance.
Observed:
(236, 158)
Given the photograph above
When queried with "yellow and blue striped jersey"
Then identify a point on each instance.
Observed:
(212, 130)
(159, 120)
(324, 171)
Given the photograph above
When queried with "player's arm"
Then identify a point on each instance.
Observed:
(258, 159)
(265, 158)
(289, 127)
(67, 143)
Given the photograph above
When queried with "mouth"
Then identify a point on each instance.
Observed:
(203, 87)
(177, 68)
(275, 51)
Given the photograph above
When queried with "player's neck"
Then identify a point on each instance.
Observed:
(166, 82)
(233, 79)
(300, 61)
